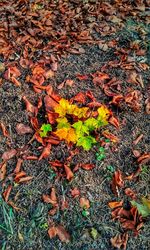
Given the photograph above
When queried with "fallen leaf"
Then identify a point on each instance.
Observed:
(18, 166)
(87, 166)
(130, 193)
(143, 159)
(46, 152)
(110, 136)
(25, 179)
(117, 181)
(29, 107)
(75, 192)
(7, 192)
(52, 199)
(114, 121)
(63, 235)
(120, 241)
(52, 232)
(4, 130)
(22, 129)
(115, 204)
(69, 173)
(138, 139)
(69, 82)
(84, 203)
(9, 154)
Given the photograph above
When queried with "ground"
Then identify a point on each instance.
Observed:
(27, 228)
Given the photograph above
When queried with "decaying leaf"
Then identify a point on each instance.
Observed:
(46, 151)
(4, 130)
(22, 129)
(115, 204)
(117, 181)
(75, 192)
(3, 169)
(59, 231)
(87, 166)
(9, 154)
(69, 173)
(143, 208)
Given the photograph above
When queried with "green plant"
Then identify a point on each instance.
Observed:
(100, 155)
(45, 128)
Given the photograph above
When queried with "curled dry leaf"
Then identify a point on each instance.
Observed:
(138, 139)
(136, 153)
(120, 241)
(110, 136)
(87, 166)
(84, 203)
(22, 129)
(52, 199)
(75, 192)
(52, 232)
(30, 107)
(63, 235)
(114, 121)
(133, 99)
(147, 108)
(9, 154)
(50, 103)
(25, 179)
(18, 166)
(69, 173)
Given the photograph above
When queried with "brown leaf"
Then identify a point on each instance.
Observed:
(46, 152)
(75, 192)
(81, 77)
(133, 99)
(9, 154)
(87, 166)
(147, 108)
(3, 169)
(69, 173)
(115, 204)
(50, 103)
(25, 179)
(6, 193)
(138, 139)
(100, 77)
(52, 199)
(135, 78)
(84, 203)
(80, 97)
(19, 175)
(22, 129)
(18, 166)
(136, 153)
(4, 130)
(69, 82)
(63, 235)
(117, 181)
(120, 241)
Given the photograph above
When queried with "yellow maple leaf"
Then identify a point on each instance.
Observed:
(62, 107)
(67, 134)
(103, 114)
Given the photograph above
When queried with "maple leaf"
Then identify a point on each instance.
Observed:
(62, 107)
(79, 112)
(62, 123)
(80, 128)
(67, 134)
(86, 142)
(103, 115)
(91, 123)
(45, 129)
(143, 208)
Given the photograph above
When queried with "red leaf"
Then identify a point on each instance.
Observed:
(46, 152)
(129, 192)
(117, 181)
(144, 158)
(50, 103)
(9, 154)
(100, 77)
(81, 77)
(52, 199)
(69, 82)
(75, 192)
(117, 99)
(110, 136)
(87, 166)
(23, 129)
(18, 166)
(15, 81)
(56, 163)
(25, 179)
(52, 232)
(69, 173)
(80, 97)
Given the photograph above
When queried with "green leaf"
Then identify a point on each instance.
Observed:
(85, 213)
(80, 128)
(94, 233)
(45, 129)
(63, 123)
(86, 142)
(143, 208)
(91, 123)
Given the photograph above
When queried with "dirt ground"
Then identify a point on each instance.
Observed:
(27, 229)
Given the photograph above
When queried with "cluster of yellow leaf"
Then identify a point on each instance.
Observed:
(79, 131)
(65, 108)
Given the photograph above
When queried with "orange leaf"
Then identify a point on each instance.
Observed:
(46, 152)
(52, 232)
(117, 181)
(69, 173)
(115, 204)
(87, 166)
(84, 203)
(3, 171)
(75, 192)
(144, 158)
(114, 121)
(25, 179)
(63, 235)
(19, 175)
(29, 107)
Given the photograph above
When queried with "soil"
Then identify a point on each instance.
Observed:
(27, 229)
